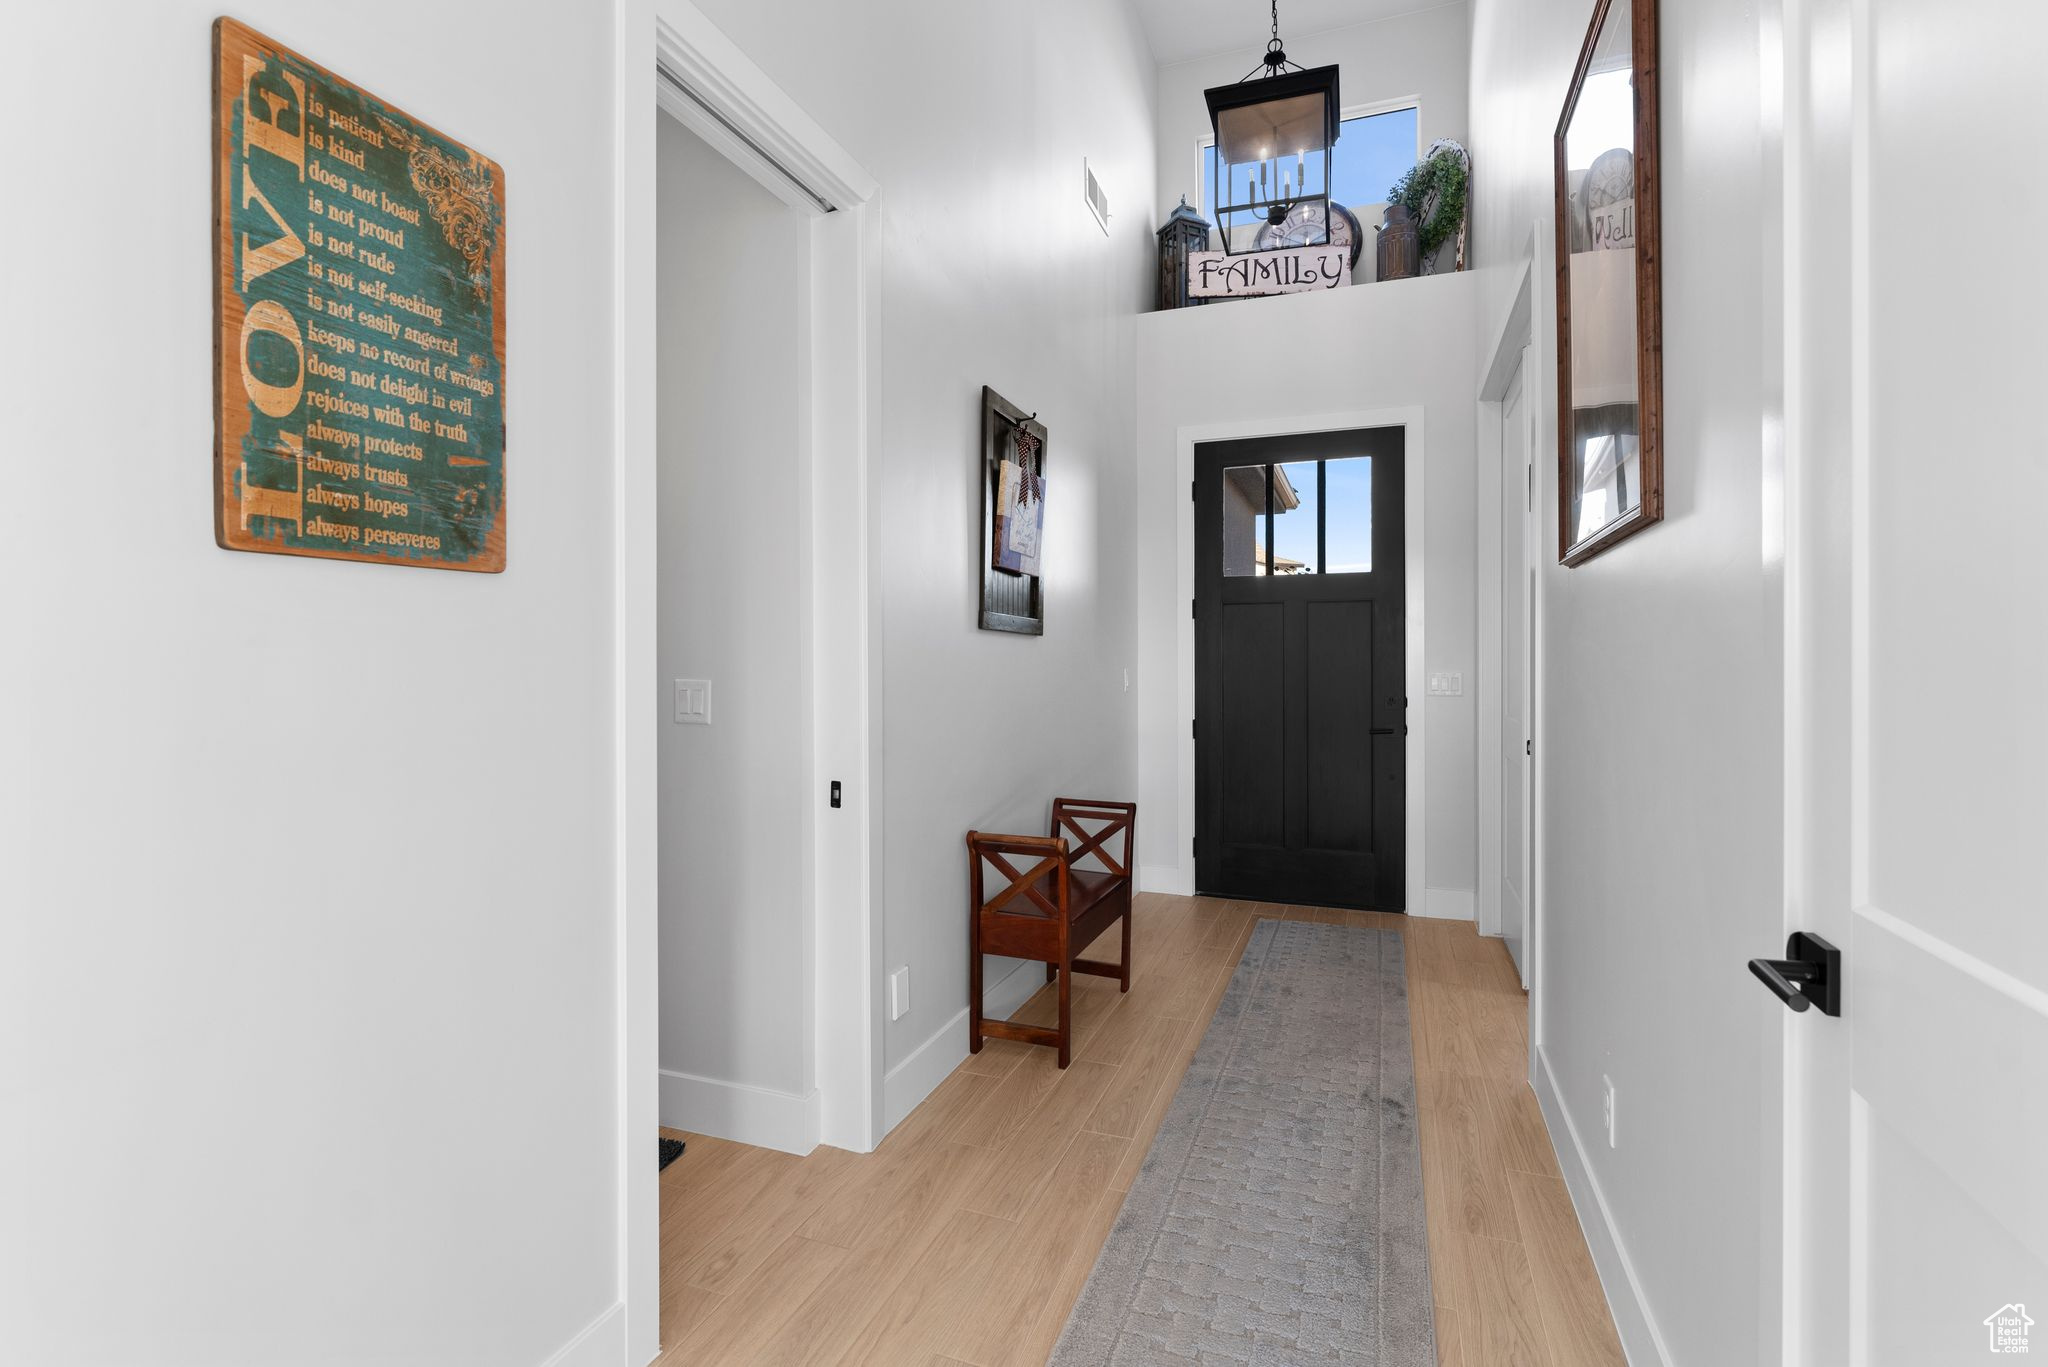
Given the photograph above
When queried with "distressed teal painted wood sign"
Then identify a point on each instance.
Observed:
(359, 347)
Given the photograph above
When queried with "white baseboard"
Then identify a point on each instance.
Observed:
(1177, 880)
(912, 1080)
(602, 1343)
(1640, 1341)
(746, 1115)
(1447, 904)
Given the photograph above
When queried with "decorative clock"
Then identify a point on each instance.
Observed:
(1303, 227)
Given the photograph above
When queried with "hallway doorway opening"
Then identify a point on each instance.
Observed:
(731, 604)
(762, 256)
(1301, 704)
(744, 515)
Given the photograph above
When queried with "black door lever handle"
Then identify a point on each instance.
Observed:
(1780, 974)
(1809, 975)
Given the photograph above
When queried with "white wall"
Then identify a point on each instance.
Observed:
(1658, 732)
(992, 273)
(731, 288)
(1422, 55)
(307, 1020)
(1366, 347)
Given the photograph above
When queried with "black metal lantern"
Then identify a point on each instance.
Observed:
(1185, 232)
(1274, 132)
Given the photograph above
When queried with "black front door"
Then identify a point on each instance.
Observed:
(1300, 663)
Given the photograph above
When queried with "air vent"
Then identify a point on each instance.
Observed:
(1091, 190)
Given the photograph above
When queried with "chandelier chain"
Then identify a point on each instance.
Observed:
(1275, 61)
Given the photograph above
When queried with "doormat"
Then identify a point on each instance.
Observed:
(671, 1150)
(1278, 1217)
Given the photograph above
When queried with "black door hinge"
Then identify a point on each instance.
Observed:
(1194, 607)
(1195, 847)
(1195, 728)
(1191, 491)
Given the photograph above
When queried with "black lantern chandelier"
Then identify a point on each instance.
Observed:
(1273, 128)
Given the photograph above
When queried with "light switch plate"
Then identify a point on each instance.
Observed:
(899, 993)
(1447, 684)
(693, 702)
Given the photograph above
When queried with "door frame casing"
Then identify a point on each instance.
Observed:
(1514, 339)
(842, 954)
(1412, 475)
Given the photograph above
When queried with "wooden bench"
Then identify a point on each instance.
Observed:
(1050, 909)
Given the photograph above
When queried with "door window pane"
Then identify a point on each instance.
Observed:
(1244, 521)
(1347, 494)
(1294, 519)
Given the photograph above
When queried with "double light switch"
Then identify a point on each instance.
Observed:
(693, 702)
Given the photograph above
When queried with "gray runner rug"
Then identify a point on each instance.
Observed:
(1278, 1217)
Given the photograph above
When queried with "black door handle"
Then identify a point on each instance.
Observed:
(1810, 974)
(1780, 975)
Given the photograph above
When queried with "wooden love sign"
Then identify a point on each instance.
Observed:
(359, 315)
(1292, 270)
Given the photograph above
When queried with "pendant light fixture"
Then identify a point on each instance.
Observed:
(1274, 131)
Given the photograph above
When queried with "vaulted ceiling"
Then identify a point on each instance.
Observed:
(1183, 29)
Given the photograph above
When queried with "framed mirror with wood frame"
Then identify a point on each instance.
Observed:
(1610, 419)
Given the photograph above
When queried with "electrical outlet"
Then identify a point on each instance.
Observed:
(1607, 1106)
(899, 993)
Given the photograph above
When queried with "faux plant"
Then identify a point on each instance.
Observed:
(1440, 176)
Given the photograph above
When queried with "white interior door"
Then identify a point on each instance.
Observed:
(1517, 588)
(1916, 1177)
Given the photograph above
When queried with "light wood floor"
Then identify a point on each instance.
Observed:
(965, 1237)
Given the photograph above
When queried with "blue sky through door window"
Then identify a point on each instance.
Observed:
(1347, 515)
(1322, 516)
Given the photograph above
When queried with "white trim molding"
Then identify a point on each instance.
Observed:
(1156, 878)
(601, 1343)
(945, 1049)
(1445, 904)
(734, 106)
(840, 677)
(1514, 335)
(759, 1116)
(635, 795)
(1641, 1343)
(1176, 880)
